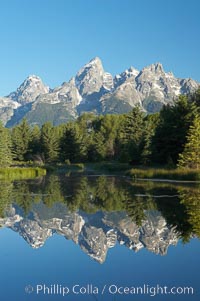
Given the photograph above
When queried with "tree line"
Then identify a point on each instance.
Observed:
(170, 137)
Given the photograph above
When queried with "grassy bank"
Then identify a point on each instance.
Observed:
(28, 172)
(146, 172)
(165, 174)
(20, 173)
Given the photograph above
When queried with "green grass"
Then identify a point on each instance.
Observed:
(167, 174)
(20, 173)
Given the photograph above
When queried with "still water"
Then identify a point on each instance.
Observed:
(88, 238)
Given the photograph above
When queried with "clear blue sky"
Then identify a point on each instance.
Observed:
(54, 38)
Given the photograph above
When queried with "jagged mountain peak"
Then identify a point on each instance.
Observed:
(133, 71)
(89, 78)
(33, 77)
(29, 90)
(94, 90)
(155, 68)
(122, 77)
(31, 80)
(70, 82)
(95, 61)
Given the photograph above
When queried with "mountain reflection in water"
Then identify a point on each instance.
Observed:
(98, 212)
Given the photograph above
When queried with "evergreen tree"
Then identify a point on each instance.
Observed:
(170, 135)
(49, 142)
(5, 147)
(131, 136)
(150, 123)
(97, 149)
(190, 158)
(35, 145)
(109, 128)
(21, 137)
(195, 98)
(72, 146)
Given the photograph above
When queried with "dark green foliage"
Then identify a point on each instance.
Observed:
(97, 148)
(5, 147)
(72, 146)
(170, 135)
(190, 158)
(49, 142)
(131, 135)
(35, 145)
(195, 98)
(21, 137)
(150, 125)
(110, 127)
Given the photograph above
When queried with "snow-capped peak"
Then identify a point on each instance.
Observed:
(89, 79)
(155, 68)
(33, 77)
(95, 61)
(128, 73)
(29, 90)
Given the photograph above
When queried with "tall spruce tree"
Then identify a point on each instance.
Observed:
(109, 128)
(150, 124)
(190, 158)
(49, 142)
(131, 136)
(72, 147)
(96, 151)
(170, 135)
(21, 137)
(5, 147)
(35, 145)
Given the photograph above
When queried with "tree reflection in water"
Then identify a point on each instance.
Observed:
(179, 205)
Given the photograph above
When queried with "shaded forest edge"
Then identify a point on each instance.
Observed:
(161, 145)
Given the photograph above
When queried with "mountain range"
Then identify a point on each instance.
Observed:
(93, 90)
(94, 233)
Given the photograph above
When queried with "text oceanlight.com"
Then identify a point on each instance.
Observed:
(111, 289)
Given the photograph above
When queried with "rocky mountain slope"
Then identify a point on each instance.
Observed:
(93, 90)
(94, 233)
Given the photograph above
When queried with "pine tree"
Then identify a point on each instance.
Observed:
(109, 128)
(131, 136)
(49, 142)
(21, 137)
(72, 146)
(97, 148)
(35, 145)
(170, 135)
(5, 147)
(151, 122)
(190, 158)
